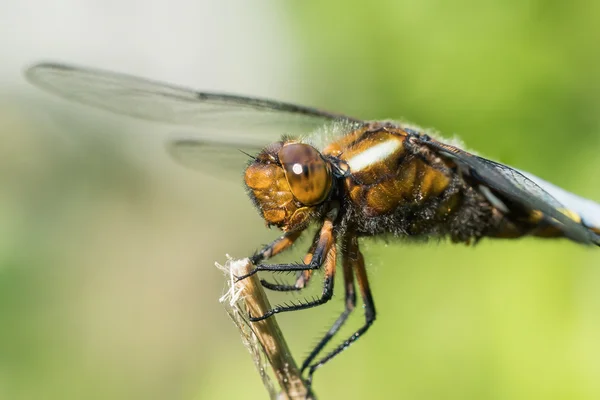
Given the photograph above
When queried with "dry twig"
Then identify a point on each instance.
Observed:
(263, 339)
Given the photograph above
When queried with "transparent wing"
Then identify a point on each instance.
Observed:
(217, 116)
(588, 210)
(215, 158)
(520, 183)
(518, 188)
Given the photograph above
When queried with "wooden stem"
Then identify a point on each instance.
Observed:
(264, 339)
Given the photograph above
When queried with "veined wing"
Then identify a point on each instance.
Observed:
(229, 157)
(588, 210)
(220, 159)
(529, 192)
(221, 117)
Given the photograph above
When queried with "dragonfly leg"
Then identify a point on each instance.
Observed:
(325, 253)
(302, 277)
(349, 258)
(369, 306)
(323, 245)
(330, 264)
(277, 246)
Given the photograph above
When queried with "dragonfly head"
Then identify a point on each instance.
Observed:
(288, 181)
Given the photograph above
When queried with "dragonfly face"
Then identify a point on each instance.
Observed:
(371, 178)
(287, 182)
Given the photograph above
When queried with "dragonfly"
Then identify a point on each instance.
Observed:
(349, 177)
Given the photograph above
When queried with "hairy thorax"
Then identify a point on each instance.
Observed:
(397, 188)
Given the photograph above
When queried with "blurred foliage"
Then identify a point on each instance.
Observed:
(106, 282)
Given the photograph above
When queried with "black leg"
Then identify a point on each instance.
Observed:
(280, 287)
(324, 243)
(363, 283)
(302, 277)
(324, 253)
(349, 258)
(275, 247)
(330, 263)
(315, 263)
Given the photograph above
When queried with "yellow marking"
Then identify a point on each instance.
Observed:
(571, 214)
(536, 216)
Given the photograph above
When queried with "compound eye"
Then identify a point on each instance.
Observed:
(307, 173)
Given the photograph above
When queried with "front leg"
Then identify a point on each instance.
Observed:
(327, 294)
(324, 253)
(277, 246)
(323, 245)
(302, 277)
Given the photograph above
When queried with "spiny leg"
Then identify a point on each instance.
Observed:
(302, 277)
(327, 244)
(369, 306)
(349, 257)
(276, 246)
(323, 245)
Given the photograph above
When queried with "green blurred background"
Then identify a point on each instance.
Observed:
(107, 283)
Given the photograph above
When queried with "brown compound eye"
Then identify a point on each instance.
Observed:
(307, 173)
